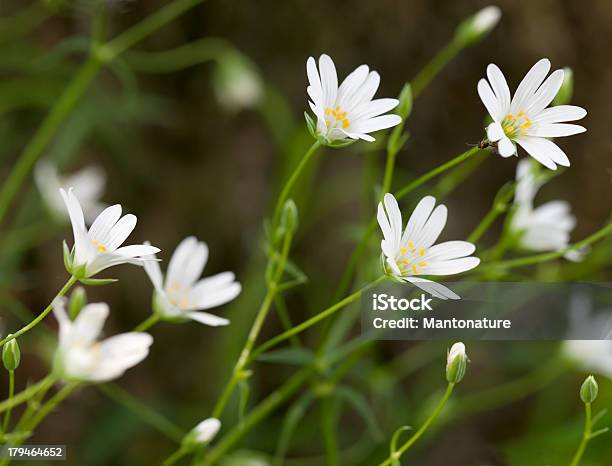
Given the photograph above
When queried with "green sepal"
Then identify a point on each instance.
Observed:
(97, 281)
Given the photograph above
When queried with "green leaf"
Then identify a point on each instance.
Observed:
(292, 356)
(97, 281)
(395, 438)
(292, 420)
(361, 406)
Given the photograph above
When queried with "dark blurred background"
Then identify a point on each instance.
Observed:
(185, 164)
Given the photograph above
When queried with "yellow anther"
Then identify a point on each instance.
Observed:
(404, 261)
(101, 247)
(422, 252)
(410, 244)
(414, 269)
(345, 123)
(422, 264)
(403, 251)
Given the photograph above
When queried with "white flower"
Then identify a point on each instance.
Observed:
(547, 227)
(412, 252)
(591, 355)
(347, 111)
(98, 248)
(81, 357)
(525, 120)
(181, 294)
(206, 430)
(486, 19)
(88, 184)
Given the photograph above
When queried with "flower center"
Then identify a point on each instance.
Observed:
(178, 295)
(336, 117)
(101, 247)
(410, 261)
(516, 125)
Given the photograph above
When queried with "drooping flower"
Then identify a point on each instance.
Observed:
(411, 253)
(181, 295)
(88, 184)
(524, 119)
(547, 227)
(347, 112)
(98, 248)
(81, 357)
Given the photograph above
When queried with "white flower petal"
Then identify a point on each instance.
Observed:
(329, 80)
(432, 228)
(449, 250)
(546, 93)
(554, 130)
(529, 85)
(375, 124)
(490, 101)
(560, 113)
(120, 231)
(315, 90)
(451, 267)
(179, 260)
(101, 227)
(204, 297)
(152, 269)
(544, 151)
(437, 290)
(506, 147)
(352, 83)
(136, 250)
(495, 132)
(89, 323)
(208, 319)
(499, 86)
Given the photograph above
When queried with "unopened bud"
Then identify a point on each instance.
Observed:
(203, 433)
(589, 390)
(456, 363)
(78, 300)
(476, 27)
(11, 355)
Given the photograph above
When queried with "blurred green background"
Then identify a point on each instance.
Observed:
(185, 164)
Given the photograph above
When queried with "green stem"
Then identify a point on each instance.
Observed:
(291, 181)
(146, 27)
(438, 170)
(500, 205)
(148, 322)
(396, 455)
(169, 61)
(315, 319)
(144, 412)
(269, 404)
(585, 436)
(262, 313)
(433, 68)
(174, 457)
(538, 258)
(11, 392)
(42, 315)
(28, 393)
(328, 429)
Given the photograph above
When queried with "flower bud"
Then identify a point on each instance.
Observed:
(237, 83)
(564, 96)
(476, 27)
(456, 363)
(203, 433)
(11, 355)
(78, 300)
(289, 217)
(589, 390)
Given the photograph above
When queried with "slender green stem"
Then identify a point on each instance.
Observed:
(148, 322)
(257, 414)
(40, 316)
(433, 68)
(397, 455)
(11, 392)
(264, 309)
(27, 393)
(176, 456)
(437, 171)
(585, 436)
(146, 27)
(169, 61)
(500, 205)
(315, 319)
(328, 429)
(144, 412)
(538, 258)
(291, 181)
